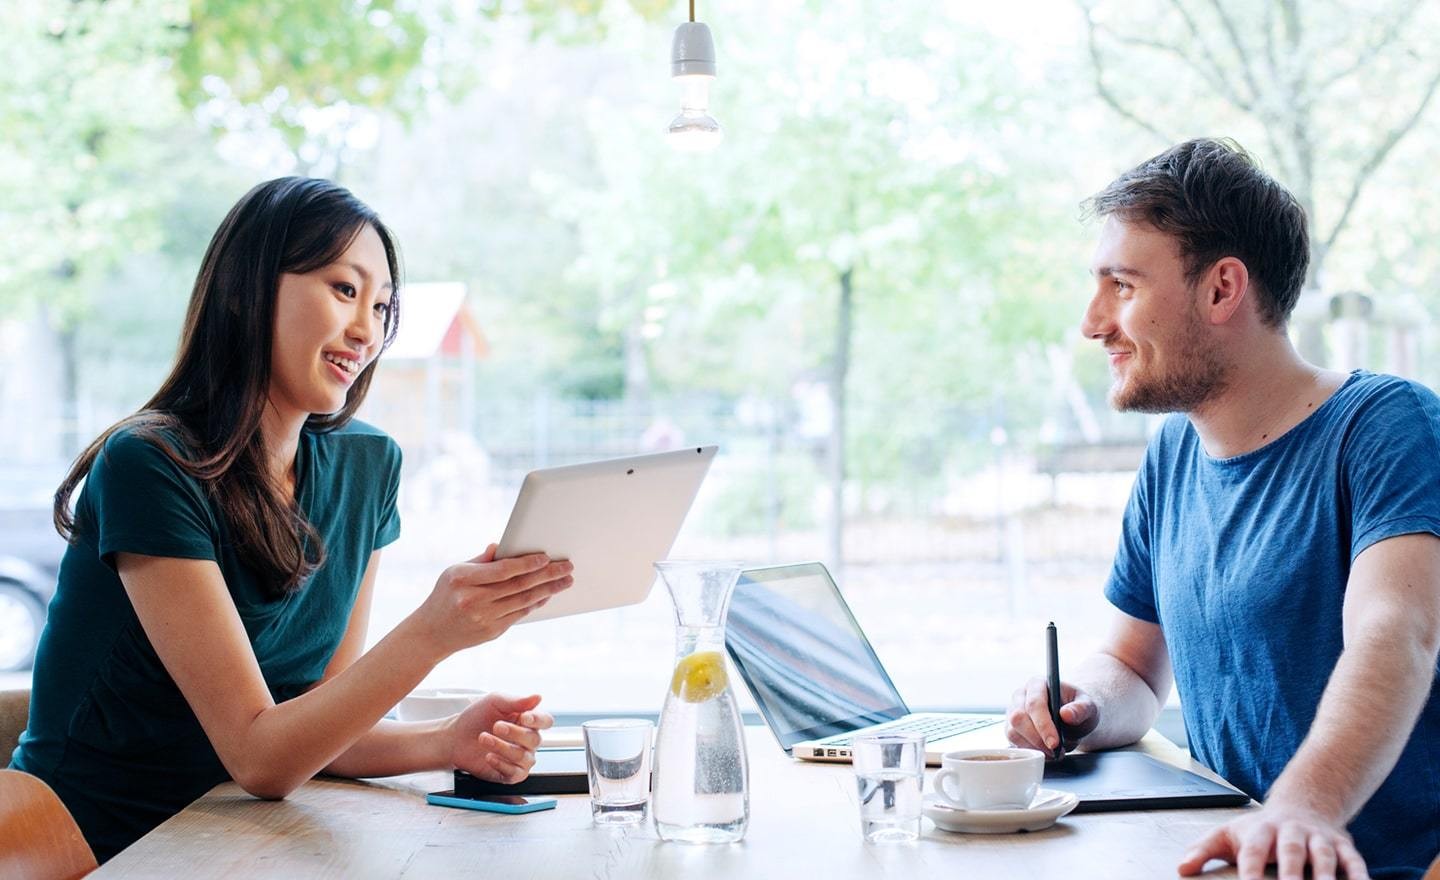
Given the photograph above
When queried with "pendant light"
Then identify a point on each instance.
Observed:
(692, 65)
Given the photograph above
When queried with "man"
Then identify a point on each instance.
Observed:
(1280, 547)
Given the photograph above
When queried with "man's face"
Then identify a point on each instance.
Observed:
(1162, 356)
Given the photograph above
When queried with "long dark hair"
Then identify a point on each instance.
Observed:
(211, 404)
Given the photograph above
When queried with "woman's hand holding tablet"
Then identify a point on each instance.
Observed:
(474, 602)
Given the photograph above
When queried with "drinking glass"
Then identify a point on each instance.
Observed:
(617, 757)
(890, 777)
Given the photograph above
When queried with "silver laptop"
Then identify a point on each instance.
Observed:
(812, 672)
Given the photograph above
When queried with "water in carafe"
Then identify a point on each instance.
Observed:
(701, 786)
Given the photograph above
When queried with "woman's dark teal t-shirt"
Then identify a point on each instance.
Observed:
(109, 730)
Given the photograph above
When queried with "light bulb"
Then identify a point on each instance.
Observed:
(692, 64)
(694, 129)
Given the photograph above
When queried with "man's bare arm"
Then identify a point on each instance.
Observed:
(1392, 637)
(1112, 698)
(1383, 676)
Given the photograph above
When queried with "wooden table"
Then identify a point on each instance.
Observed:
(804, 825)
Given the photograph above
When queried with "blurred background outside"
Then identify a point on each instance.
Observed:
(867, 296)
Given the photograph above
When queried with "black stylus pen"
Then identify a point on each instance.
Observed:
(1052, 668)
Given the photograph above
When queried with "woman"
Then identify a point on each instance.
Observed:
(214, 599)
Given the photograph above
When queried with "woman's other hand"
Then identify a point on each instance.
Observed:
(496, 738)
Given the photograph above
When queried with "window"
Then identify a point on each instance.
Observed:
(885, 243)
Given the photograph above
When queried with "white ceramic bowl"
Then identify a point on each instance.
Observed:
(427, 704)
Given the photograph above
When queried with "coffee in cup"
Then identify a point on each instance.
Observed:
(990, 779)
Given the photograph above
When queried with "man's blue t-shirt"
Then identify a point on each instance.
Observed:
(1244, 561)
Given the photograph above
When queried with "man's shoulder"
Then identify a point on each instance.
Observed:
(1385, 400)
(1367, 384)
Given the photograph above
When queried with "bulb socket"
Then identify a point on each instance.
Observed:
(692, 52)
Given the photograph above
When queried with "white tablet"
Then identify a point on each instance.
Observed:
(614, 519)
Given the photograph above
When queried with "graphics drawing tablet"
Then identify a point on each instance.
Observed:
(1125, 780)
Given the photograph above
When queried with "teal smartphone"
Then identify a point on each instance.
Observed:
(495, 803)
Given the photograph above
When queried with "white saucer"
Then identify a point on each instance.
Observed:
(1049, 805)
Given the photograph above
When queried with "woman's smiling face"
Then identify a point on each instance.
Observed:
(329, 325)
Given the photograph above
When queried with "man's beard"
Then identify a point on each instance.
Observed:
(1196, 375)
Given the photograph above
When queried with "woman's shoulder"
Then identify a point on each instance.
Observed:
(139, 475)
(358, 442)
(142, 443)
(357, 428)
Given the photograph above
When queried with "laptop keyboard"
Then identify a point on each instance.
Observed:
(933, 726)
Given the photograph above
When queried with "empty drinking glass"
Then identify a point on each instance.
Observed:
(617, 756)
(890, 776)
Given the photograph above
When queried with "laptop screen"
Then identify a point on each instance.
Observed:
(808, 664)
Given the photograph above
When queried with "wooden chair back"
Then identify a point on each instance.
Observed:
(39, 839)
(14, 715)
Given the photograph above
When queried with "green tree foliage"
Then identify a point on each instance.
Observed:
(883, 219)
(280, 66)
(101, 156)
(895, 153)
(95, 125)
(83, 102)
(1327, 93)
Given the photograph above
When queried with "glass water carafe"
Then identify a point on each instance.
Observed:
(702, 778)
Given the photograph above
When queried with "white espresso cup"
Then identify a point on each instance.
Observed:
(990, 779)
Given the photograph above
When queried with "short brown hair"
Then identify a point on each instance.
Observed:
(1214, 199)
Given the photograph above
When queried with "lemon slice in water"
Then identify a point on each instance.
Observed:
(699, 677)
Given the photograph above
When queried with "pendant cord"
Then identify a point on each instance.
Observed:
(692, 10)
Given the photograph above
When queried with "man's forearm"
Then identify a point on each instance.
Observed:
(1128, 707)
(1365, 717)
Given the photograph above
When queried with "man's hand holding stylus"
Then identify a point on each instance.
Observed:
(1028, 724)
